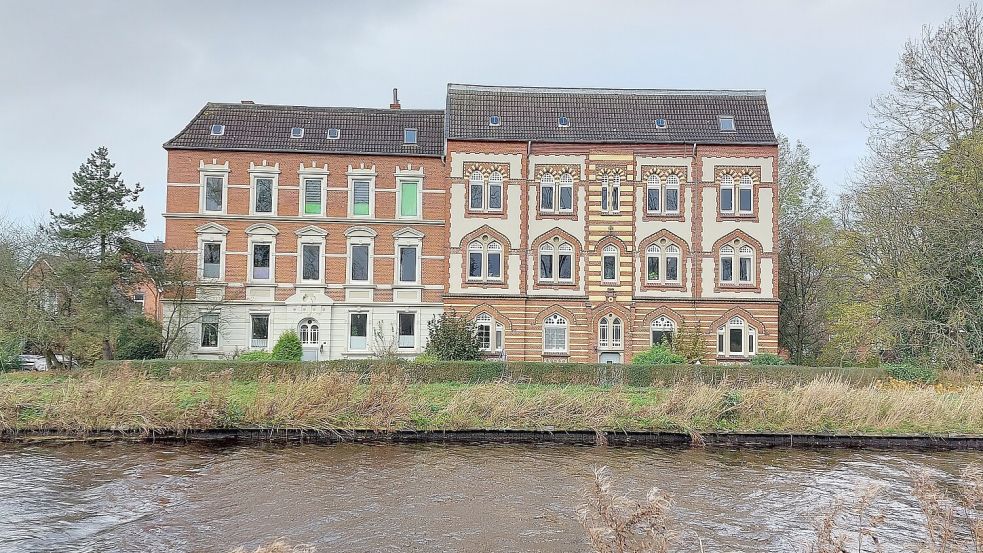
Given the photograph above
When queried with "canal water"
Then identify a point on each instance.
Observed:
(148, 498)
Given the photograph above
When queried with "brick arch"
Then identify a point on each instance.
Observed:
(661, 311)
(563, 311)
(684, 259)
(486, 169)
(742, 313)
(610, 239)
(491, 310)
(485, 229)
(610, 307)
(578, 253)
(758, 256)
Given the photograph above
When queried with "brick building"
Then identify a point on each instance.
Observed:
(570, 224)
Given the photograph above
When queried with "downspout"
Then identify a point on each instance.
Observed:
(525, 257)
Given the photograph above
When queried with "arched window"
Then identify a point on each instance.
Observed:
(610, 193)
(564, 255)
(672, 194)
(746, 257)
(495, 191)
(555, 334)
(727, 264)
(609, 265)
(493, 261)
(566, 193)
(745, 203)
(309, 332)
(736, 339)
(672, 263)
(653, 194)
(653, 263)
(726, 194)
(547, 193)
(662, 329)
(609, 332)
(555, 261)
(546, 262)
(477, 191)
(484, 259)
(491, 334)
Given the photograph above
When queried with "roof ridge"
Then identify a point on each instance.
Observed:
(589, 90)
(338, 108)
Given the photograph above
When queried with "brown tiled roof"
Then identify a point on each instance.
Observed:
(266, 128)
(607, 115)
(153, 248)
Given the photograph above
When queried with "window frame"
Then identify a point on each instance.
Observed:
(744, 184)
(399, 330)
(500, 181)
(416, 248)
(607, 251)
(732, 126)
(253, 315)
(748, 335)
(556, 322)
(485, 249)
(555, 248)
(727, 184)
(351, 326)
(218, 332)
(221, 259)
(224, 180)
(611, 194)
(553, 188)
(610, 333)
(350, 269)
(254, 177)
(400, 181)
(664, 325)
(301, 261)
(406, 135)
(322, 179)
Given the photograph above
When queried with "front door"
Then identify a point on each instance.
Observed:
(610, 357)
(310, 339)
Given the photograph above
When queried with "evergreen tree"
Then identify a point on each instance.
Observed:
(91, 238)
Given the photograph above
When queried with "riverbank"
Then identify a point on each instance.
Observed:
(127, 403)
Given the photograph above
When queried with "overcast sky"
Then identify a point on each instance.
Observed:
(130, 74)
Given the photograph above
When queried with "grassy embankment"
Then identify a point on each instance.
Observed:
(126, 399)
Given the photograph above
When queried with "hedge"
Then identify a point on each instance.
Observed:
(485, 371)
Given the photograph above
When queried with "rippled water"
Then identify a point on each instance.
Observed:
(126, 497)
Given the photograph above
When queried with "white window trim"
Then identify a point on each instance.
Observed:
(554, 185)
(416, 331)
(663, 255)
(607, 323)
(218, 334)
(223, 174)
(263, 172)
(555, 253)
(566, 332)
(740, 186)
(617, 263)
(269, 325)
(488, 207)
(419, 197)
(732, 186)
(741, 255)
(368, 331)
(361, 174)
(359, 236)
(310, 241)
(732, 256)
(573, 196)
(665, 195)
(748, 331)
(484, 192)
(312, 173)
(484, 261)
(211, 233)
(258, 240)
(671, 327)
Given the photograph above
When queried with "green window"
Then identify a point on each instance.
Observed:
(408, 204)
(312, 196)
(360, 197)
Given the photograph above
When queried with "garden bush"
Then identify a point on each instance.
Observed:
(659, 354)
(767, 359)
(907, 372)
(139, 338)
(288, 347)
(255, 356)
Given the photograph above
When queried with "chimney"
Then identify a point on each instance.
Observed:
(247, 102)
(395, 104)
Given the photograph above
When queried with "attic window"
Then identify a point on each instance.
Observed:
(334, 134)
(563, 121)
(494, 121)
(218, 130)
(727, 123)
(297, 132)
(409, 136)
(661, 123)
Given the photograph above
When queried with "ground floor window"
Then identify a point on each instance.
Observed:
(358, 332)
(407, 330)
(662, 329)
(490, 333)
(309, 332)
(209, 330)
(260, 334)
(736, 338)
(555, 334)
(609, 332)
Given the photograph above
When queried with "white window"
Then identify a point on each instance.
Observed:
(726, 194)
(610, 193)
(746, 259)
(260, 330)
(209, 330)
(662, 263)
(609, 264)
(495, 191)
(409, 136)
(745, 192)
(547, 193)
(556, 262)
(653, 264)
(727, 264)
(490, 334)
(736, 339)
(361, 194)
(264, 198)
(410, 198)
(359, 263)
(672, 194)
(406, 334)
(609, 332)
(408, 264)
(476, 191)
(261, 261)
(358, 332)
(211, 262)
(662, 329)
(566, 193)
(727, 123)
(312, 190)
(334, 134)
(214, 194)
(555, 334)
(310, 262)
(309, 332)
(217, 130)
(672, 263)
(653, 194)
(139, 298)
(484, 260)
(297, 132)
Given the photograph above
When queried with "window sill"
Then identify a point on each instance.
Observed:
(556, 354)
(407, 286)
(358, 285)
(309, 284)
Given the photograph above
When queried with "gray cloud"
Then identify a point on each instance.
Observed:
(129, 75)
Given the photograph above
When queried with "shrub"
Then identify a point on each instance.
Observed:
(139, 338)
(10, 348)
(767, 359)
(659, 354)
(907, 372)
(288, 347)
(255, 356)
(453, 338)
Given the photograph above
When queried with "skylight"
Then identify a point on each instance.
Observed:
(297, 132)
(661, 123)
(409, 136)
(218, 130)
(494, 121)
(334, 134)
(727, 123)
(563, 121)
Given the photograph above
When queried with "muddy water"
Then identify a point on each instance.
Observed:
(126, 497)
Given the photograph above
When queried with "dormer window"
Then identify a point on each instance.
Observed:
(297, 132)
(409, 136)
(494, 121)
(563, 121)
(334, 134)
(727, 123)
(218, 130)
